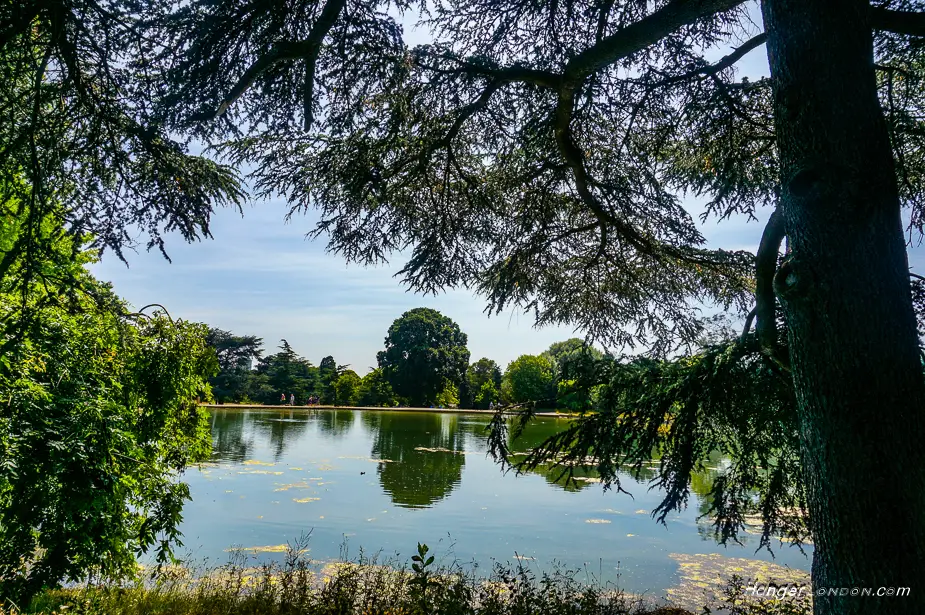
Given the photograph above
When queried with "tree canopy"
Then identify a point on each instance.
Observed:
(100, 417)
(531, 379)
(425, 352)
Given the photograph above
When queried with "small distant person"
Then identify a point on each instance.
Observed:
(292, 399)
(491, 405)
(282, 399)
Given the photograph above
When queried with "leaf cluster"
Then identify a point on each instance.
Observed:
(99, 416)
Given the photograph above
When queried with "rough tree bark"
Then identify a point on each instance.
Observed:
(845, 292)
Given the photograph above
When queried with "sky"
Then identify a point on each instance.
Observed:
(261, 276)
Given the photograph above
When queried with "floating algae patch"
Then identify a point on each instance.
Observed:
(704, 577)
(305, 500)
(299, 485)
(254, 462)
(295, 469)
(438, 450)
(597, 520)
(283, 548)
(586, 479)
(261, 472)
(642, 511)
(524, 558)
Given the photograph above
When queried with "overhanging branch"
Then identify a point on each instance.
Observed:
(900, 22)
(307, 50)
(724, 63)
(641, 34)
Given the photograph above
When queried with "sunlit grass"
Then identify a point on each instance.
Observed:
(366, 586)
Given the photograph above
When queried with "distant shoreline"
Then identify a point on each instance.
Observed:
(375, 408)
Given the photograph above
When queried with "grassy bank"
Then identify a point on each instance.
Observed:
(367, 586)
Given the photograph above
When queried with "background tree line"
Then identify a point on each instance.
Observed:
(425, 363)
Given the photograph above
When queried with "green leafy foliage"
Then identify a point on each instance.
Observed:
(100, 415)
(373, 585)
(531, 380)
(376, 391)
(285, 373)
(488, 395)
(421, 581)
(347, 388)
(236, 355)
(448, 397)
(481, 373)
(424, 350)
(81, 140)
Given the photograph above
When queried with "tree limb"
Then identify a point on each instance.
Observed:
(911, 23)
(748, 324)
(307, 49)
(765, 304)
(641, 34)
(574, 157)
(507, 74)
(724, 63)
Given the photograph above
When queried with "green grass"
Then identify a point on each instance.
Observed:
(299, 586)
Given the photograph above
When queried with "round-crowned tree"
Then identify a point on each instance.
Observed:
(531, 379)
(424, 352)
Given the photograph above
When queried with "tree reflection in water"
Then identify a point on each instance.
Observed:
(283, 428)
(335, 423)
(228, 440)
(424, 453)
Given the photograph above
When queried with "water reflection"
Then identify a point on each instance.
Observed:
(535, 434)
(283, 430)
(325, 479)
(423, 455)
(228, 440)
(335, 423)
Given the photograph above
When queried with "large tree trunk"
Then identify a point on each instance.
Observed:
(845, 291)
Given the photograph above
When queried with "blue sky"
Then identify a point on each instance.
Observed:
(261, 276)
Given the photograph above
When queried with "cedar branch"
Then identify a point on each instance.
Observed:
(765, 304)
(307, 49)
(911, 23)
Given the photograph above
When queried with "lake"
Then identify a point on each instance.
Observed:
(383, 481)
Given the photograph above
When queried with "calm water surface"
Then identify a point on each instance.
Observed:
(386, 480)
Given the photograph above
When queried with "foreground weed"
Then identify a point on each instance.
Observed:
(366, 586)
